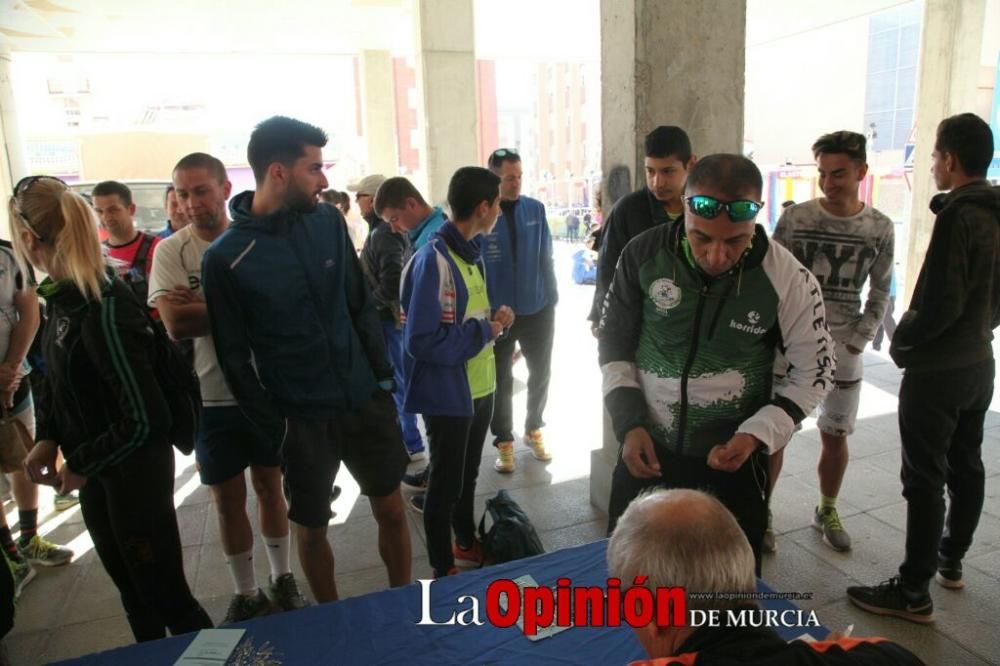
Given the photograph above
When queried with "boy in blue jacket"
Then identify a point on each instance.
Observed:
(448, 336)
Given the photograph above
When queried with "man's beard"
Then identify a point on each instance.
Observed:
(299, 202)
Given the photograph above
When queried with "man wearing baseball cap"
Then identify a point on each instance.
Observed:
(364, 195)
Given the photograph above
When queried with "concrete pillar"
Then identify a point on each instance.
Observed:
(671, 62)
(664, 62)
(950, 46)
(446, 84)
(379, 111)
(13, 162)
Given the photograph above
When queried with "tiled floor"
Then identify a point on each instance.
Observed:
(75, 610)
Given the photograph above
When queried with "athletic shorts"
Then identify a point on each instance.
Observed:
(368, 440)
(838, 412)
(228, 443)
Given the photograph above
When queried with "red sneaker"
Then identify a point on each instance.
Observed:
(468, 558)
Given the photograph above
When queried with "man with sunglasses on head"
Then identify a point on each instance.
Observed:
(520, 273)
(696, 313)
(668, 160)
(844, 243)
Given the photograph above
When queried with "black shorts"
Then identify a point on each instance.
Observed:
(367, 440)
(228, 443)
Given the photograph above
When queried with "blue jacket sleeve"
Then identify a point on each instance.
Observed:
(367, 324)
(229, 325)
(548, 264)
(425, 336)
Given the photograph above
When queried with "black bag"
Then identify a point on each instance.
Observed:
(512, 536)
(179, 383)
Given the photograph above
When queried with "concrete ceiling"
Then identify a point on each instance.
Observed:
(205, 26)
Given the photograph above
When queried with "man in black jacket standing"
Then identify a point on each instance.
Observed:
(943, 342)
(668, 159)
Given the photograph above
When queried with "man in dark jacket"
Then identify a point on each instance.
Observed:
(668, 159)
(300, 344)
(382, 263)
(687, 539)
(943, 343)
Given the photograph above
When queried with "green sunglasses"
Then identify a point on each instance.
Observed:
(741, 210)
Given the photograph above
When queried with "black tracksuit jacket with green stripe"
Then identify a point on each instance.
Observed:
(103, 400)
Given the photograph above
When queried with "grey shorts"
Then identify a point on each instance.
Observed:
(838, 413)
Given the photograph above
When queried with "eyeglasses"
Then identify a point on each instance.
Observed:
(359, 196)
(20, 189)
(741, 210)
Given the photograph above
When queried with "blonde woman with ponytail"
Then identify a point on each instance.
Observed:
(104, 409)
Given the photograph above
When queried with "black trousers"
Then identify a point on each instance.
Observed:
(535, 333)
(129, 510)
(456, 445)
(743, 492)
(941, 418)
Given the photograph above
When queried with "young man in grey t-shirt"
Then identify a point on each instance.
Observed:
(844, 243)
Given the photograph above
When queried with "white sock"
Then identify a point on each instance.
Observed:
(241, 569)
(278, 549)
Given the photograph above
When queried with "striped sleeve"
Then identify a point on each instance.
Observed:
(117, 337)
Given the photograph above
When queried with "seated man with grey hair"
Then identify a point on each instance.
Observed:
(687, 538)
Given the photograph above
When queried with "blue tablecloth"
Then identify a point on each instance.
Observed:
(381, 628)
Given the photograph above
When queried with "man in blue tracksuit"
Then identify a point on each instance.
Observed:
(300, 344)
(520, 273)
(450, 375)
(400, 203)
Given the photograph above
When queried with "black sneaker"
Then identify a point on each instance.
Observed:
(890, 598)
(949, 573)
(416, 502)
(242, 607)
(418, 480)
(285, 592)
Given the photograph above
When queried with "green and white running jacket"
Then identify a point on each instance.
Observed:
(690, 358)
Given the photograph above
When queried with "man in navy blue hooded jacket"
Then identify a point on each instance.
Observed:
(520, 273)
(300, 343)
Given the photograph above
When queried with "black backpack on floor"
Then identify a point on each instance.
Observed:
(511, 536)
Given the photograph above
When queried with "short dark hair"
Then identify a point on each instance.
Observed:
(166, 193)
(843, 142)
(969, 139)
(501, 155)
(394, 192)
(203, 161)
(106, 188)
(732, 174)
(280, 139)
(667, 140)
(469, 187)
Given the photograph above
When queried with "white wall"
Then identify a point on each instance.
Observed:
(806, 67)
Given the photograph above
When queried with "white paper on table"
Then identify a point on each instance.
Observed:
(211, 647)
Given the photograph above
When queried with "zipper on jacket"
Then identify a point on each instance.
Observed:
(702, 296)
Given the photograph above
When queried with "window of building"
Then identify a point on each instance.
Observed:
(890, 91)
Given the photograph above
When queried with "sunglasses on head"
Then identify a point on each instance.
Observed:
(20, 189)
(501, 154)
(741, 210)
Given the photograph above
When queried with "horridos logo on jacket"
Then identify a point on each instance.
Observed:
(753, 317)
(665, 295)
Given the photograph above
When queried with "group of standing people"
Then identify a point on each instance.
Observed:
(717, 340)
(308, 357)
